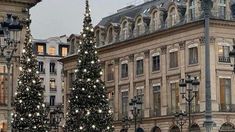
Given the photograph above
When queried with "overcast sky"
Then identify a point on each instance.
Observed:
(58, 17)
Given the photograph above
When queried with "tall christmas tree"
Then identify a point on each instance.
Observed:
(88, 109)
(29, 110)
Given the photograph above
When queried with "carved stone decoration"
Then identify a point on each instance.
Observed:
(131, 57)
(202, 40)
(146, 53)
(212, 39)
(182, 45)
(163, 50)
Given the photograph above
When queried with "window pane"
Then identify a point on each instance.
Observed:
(52, 51)
(156, 63)
(64, 51)
(157, 100)
(40, 49)
(124, 70)
(173, 59)
(193, 55)
(124, 103)
(139, 67)
(110, 72)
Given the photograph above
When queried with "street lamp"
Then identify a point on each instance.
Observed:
(10, 39)
(135, 106)
(125, 124)
(180, 119)
(232, 55)
(55, 117)
(191, 86)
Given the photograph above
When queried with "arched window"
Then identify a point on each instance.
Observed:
(172, 17)
(110, 35)
(195, 128)
(227, 127)
(192, 9)
(138, 27)
(175, 129)
(156, 129)
(97, 37)
(154, 20)
(125, 30)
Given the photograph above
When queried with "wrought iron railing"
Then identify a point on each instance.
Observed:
(227, 107)
(224, 59)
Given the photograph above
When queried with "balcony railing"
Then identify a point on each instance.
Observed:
(155, 112)
(172, 111)
(224, 59)
(227, 107)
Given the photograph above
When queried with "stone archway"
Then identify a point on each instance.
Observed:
(227, 127)
(175, 129)
(156, 129)
(140, 129)
(195, 128)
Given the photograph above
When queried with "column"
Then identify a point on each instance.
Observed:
(182, 71)
(116, 81)
(146, 94)
(164, 81)
(131, 76)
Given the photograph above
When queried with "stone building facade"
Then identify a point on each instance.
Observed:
(146, 49)
(48, 52)
(15, 8)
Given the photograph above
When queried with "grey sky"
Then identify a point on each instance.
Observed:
(58, 17)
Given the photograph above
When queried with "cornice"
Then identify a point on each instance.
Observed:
(25, 2)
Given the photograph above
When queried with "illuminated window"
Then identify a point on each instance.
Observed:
(64, 51)
(40, 49)
(52, 85)
(52, 51)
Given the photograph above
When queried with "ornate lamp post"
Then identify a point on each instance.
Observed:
(10, 33)
(55, 117)
(191, 86)
(180, 119)
(232, 55)
(135, 106)
(125, 124)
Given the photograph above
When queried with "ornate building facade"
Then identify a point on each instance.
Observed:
(146, 49)
(16, 8)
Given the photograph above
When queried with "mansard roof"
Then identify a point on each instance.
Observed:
(143, 9)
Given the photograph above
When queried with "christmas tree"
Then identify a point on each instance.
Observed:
(88, 109)
(29, 110)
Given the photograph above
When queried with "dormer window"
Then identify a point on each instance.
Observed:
(192, 9)
(110, 35)
(154, 20)
(172, 17)
(138, 27)
(52, 51)
(222, 9)
(125, 30)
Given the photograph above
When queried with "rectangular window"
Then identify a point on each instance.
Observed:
(41, 49)
(124, 70)
(223, 53)
(225, 91)
(40, 67)
(173, 59)
(156, 100)
(139, 67)
(52, 85)
(111, 100)
(222, 9)
(52, 67)
(52, 51)
(110, 72)
(140, 95)
(64, 51)
(174, 87)
(52, 100)
(193, 55)
(125, 103)
(156, 63)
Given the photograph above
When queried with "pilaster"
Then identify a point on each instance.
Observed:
(164, 81)
(116, 81)
(147, 89)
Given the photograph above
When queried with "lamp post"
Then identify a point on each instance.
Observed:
(10, 33)
(232, 55)
(125, 124)
(180, 119)
(135, 106)
(55, 117)
(191, 86)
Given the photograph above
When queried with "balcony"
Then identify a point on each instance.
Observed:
(224, 59)
(227, 107)
(172, 111)
(155, 112)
